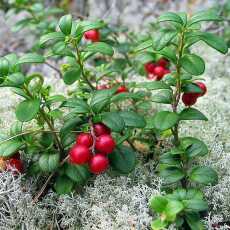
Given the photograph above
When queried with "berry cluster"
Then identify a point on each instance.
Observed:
(92, 35)
(93, 148)
(13, 164)
(157, 70)
(190, 99)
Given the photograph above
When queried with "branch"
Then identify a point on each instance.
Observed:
(54, 68)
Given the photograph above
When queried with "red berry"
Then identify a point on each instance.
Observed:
(151, 76)
(79, 154)
(104, 86)
(162, 62)
(100, 129)
(159, 71)
(121, 89)
(166, 71)
(189, 98)
(105, 144)
(85, 139)
(14, 165)
(98, 163)
(92, 35)
(149, 67)
(203, 87)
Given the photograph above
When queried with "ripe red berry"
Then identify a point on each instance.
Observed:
(79, 154)
(121, 89)
(100, 129)
(189, 98)
(159, 71)
(203, 87)
(98, 163)
(14, 165)
(162, 62)
(85, 139)
(166, 71)
(149, 67)
(92, 35)
(105, 144)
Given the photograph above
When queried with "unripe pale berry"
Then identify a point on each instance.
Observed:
(159, 71)
(85, 139)
(98, 163)
(121, 89)
(79, 154)
(149, 67)
(189, 98)
(105, 144)
(203, 87)
(162, 62)
(92, 35)
(100, 129)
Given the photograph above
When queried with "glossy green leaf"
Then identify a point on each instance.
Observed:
(158, 224)
(194, 221)
(195, 205)
(4, 66)
(72, 75)
(192, 114)
(77, 173)
(168, 53)
(8, 148)
(204, 175)
(113, 120)
(63, 185)
(54, 36)
(158, 203)
(31, 58)
(49, 162)
(65, 24)
(87, 25)
(144, 45)
(170, 16)
(78, 105)
(123, 159)
(100, 47)
(27, 110)
(162, 96)
(124, 96)
(16, 79)
(153, 85)
(171, 175)
(173, 208)
(133, 119)
(191, 88)
(193, 64)
(165, 120)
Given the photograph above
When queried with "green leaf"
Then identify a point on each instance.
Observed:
(31, 58)
(63, 185)
(78, 105)
(154, 85)
(204, 175)
(27, 110)
(171, 175)
(163, 38)
(194, 221)
(87, 25)
(165, 120)
(173, 208)
(191, 88)
(123, 159)
(158, 203)
(100, 47)
(162, 96)
(195, 205)
(77, 173)
(16, 128)
(8, 148)
(72, 75)
(49, 162)
(192, 114)
(65, 24)
(133, 119)
(170, 16)
(4, 66)
(16, 79)
(144, 45)
(204, 16)
(124, 96)
(100, 99)
(56, 36)
(158, 224)
(113, 120)
(168, 53)
(193, 64)
(193, 147)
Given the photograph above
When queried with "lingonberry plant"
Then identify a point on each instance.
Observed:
(183, 202)
(77, 136)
